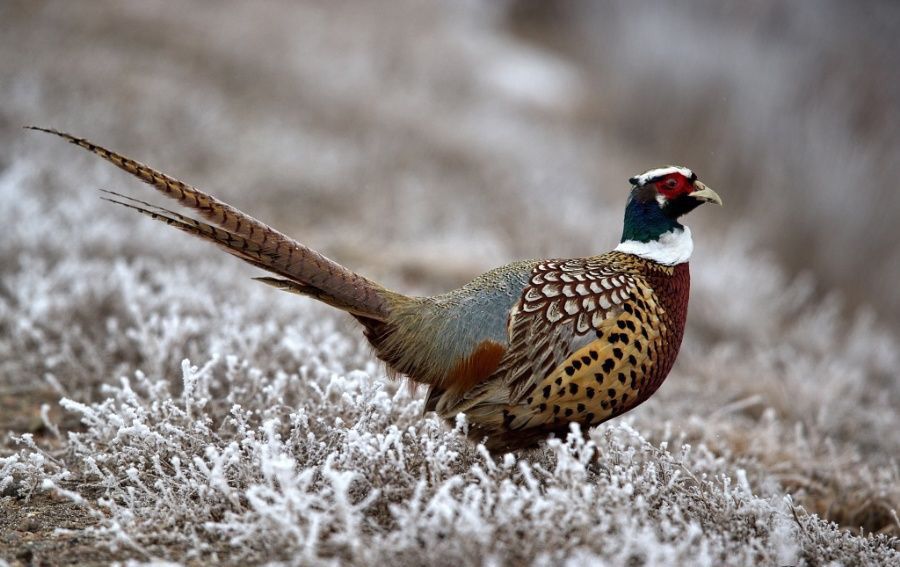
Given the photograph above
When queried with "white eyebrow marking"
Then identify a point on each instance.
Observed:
(648, 176)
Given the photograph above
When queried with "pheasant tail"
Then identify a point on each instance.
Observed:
(302, 269)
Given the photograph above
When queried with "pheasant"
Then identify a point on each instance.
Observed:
(522, 350)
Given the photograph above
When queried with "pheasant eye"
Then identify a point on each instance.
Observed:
(671, 183)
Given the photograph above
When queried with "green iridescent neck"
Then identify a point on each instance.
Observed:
(645, 221)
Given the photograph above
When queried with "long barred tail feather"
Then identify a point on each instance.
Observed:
(235, 245)
(308, 271)
(231, 243)
(293, 287)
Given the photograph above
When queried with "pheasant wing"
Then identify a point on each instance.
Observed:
(562, 309)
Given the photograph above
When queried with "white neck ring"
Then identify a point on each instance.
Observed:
(671, 248)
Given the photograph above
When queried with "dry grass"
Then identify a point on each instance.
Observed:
(423, 144)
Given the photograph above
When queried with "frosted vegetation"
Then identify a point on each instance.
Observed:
(178, 411)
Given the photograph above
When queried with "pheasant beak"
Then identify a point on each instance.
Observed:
(705, 194)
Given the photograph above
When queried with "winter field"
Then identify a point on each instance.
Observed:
(159, 407)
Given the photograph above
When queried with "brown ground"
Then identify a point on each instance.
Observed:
(404, 108)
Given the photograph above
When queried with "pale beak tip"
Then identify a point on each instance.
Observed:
(704, 193)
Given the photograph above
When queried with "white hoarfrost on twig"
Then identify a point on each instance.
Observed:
(192, 415)
(289, 443)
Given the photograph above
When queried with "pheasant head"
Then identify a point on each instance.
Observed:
(659, 198)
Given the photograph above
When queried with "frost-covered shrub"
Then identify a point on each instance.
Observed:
(288, 443)
(185, 413)
(371, 482)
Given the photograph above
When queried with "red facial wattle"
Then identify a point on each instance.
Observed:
(673, 185)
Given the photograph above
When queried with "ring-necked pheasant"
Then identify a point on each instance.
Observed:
(523, 349)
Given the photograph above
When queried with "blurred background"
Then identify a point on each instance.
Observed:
(424, 141)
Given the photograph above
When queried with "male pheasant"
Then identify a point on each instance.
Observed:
(522, 350)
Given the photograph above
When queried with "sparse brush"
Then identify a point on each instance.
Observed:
(286, 445)
(155, 401)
